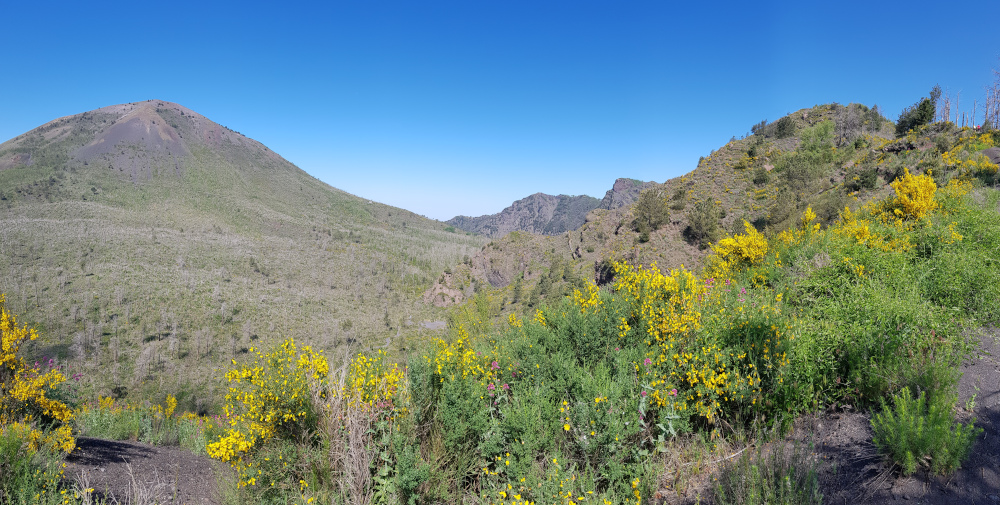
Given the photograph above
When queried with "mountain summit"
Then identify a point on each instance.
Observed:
(136, 141)
(151, 242)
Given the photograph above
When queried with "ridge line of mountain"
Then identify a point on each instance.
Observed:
(546, 214)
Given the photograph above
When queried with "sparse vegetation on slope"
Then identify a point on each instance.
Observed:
(164, 257)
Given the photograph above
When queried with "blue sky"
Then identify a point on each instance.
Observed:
(448, 108)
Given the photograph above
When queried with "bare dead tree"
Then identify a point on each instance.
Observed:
(993, 101)
(958, 107)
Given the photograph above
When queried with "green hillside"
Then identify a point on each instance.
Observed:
(150, 245)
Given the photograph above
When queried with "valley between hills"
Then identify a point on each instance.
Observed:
(155, 250)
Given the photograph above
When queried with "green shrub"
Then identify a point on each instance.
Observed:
(772, 478)
(761, 176)
(703, 224)
(921, 432)
(28, 476)
(915, 116)
(784, 127)
(650, 211)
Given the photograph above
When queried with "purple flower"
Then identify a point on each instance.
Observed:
(496, 366)
(647, 362)
(743, 291)
(643, 393)
(506, 387)
(491, 387)
(673, 392)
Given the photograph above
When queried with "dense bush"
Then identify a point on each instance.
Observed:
(784, 127)
(915, 116)
(650, 212)
(703, 224)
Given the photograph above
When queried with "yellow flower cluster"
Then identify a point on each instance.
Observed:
(969, 164)
(807, 220)
(856, 227)
(108, 406)
(60, 439)
(914, 196)
(373, 382)
(588, 300)
(24, 389)
(271, 394)
(664, 303)
(457, 360)
(740, 249)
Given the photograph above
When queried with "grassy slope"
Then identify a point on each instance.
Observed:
(148, 273)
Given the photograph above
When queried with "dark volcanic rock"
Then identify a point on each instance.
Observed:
(993, 154)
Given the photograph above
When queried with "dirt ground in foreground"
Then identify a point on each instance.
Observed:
(852, 472)
(134, 472)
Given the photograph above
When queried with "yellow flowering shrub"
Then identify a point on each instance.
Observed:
(855, 226)
(587, 300)
(914, 196)
(373, 382)
(456, 360)
(693, 371)
(24, 390)
(970, 164)
(741, 249)
(272, 396)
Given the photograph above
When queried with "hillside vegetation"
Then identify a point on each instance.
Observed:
(150, 246)
(617, 394)
(634, 390)
(827, 157)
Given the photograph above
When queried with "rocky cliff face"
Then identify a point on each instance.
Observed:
(539, 213)
(624, 192)
(550, 215)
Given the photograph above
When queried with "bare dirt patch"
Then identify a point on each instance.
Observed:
(134, 472)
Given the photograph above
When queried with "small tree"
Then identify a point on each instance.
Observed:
(650, 211)
(784, 127)
(703, 224)
(918, 114)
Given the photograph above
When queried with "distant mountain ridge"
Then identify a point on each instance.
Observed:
(545, 214)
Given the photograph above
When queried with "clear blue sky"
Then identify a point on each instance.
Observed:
(447, 108)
